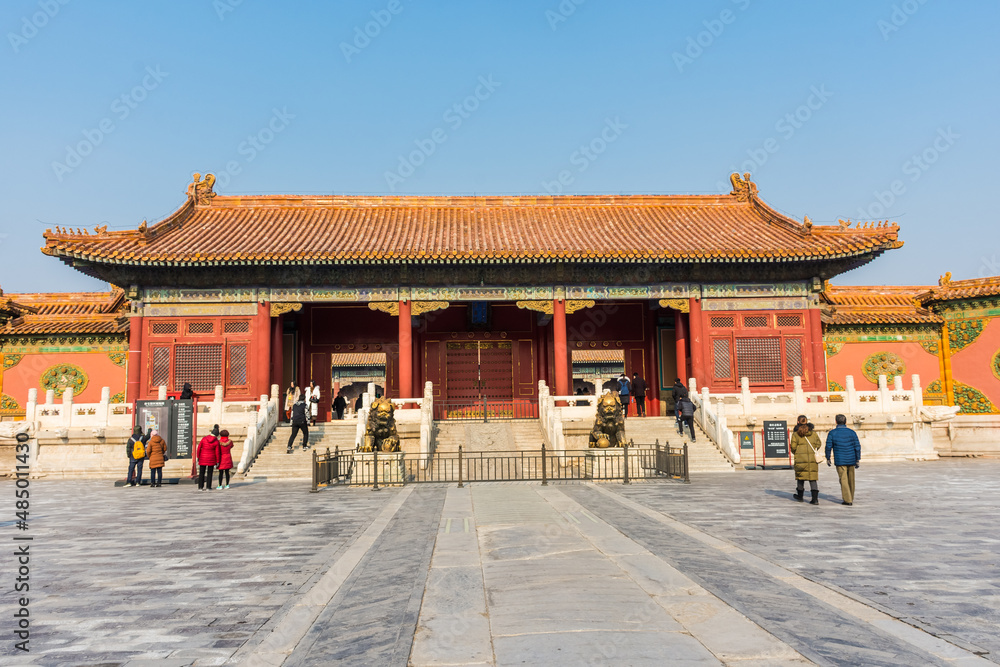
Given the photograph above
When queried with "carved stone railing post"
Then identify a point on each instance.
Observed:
(746, 397)
(161, 392)
(67, 415)
(104, 408)
(918, 396)
(853, 405)
(800, 396)
(217, 407)
(31, 408)
(884, 397)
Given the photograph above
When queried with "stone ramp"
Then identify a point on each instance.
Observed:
(519, 435)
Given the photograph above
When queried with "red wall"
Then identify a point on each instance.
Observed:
(100, 370)
(852, 356)
(972, 365)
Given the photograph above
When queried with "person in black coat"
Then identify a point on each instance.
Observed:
(300, 421)
(339, 405)
(678, 391)
(639, 392)
(186, 391)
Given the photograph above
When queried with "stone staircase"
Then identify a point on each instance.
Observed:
(274, 463)
(703, 455)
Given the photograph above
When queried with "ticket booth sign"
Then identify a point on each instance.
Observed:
(173, 419)
(776, 444)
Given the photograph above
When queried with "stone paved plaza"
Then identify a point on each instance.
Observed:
(725, 570)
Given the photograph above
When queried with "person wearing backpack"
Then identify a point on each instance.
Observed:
(624, 392)
(225, 457)
(687, 409)
(135, 449)
(156, 452)
(208, 458)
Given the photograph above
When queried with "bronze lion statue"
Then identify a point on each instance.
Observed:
(609, 425)
(380, 430)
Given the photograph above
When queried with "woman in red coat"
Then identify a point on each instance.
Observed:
(208, 457)
(225, 458)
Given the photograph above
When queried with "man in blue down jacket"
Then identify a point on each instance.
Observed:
(846, 448)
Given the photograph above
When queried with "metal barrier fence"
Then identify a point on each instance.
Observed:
(377, 469)
(486, 410)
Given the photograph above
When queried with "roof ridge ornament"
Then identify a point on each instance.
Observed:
(201, 189)
(945, 280)
(743, 188)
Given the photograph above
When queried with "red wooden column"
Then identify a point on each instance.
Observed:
(278, 357)
(262, 351)
(818, 354)
(405, 351)
(697, 343)
(134, 369)
(560, 349)
(681, 335)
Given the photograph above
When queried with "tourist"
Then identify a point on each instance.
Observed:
(156, 451)
(207, 457)
(186, 392)
(225, 457)
(290, 395)
(805, 445)
(624, 390)
(686, 409)
(358, 404)
(135, 449)
(846, 448)
(339, 405)
(639, 391)
(312, 400)
(300, 421)
(678, 391)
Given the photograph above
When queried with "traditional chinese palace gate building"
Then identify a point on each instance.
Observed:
(483, 296)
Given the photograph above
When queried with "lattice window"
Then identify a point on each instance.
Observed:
(755, 321)
(722, 355)
(236, 326)
(759, 359)
(793, 356)
(201, 327)
(160, 371)
(723, 322)
(789, 320)
(201, 365)
(163, 328)
(238, 365)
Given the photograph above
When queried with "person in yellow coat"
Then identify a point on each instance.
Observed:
(805, 443)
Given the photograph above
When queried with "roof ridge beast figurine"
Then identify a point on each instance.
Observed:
(380, 430)
(609, 424)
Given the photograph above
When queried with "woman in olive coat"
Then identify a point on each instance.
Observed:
(156, 452)
(804, 444)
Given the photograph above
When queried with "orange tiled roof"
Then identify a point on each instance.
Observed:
(949, 290)
(876, 305)
(351, 359)
(66, 313)
(286, 229)
(598, 357)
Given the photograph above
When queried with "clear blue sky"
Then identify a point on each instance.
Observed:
(887, 81)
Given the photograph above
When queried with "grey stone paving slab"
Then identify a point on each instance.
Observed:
(921, 541)
(817, 630)
(118, 573)
(372, 618)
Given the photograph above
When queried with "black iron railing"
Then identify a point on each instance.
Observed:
(626, 464)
